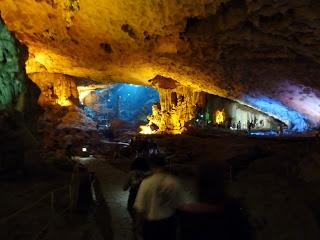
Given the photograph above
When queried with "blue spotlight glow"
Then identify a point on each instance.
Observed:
(134, 100)
(295, 120)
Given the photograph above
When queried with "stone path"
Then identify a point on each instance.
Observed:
(112, 180)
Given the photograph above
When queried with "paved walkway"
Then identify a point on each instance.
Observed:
(112, 180)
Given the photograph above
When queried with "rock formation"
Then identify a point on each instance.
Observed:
(12, 78)
(232, 48)
(56, 89)
(176, 108)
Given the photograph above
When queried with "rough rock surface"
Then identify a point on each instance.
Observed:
(56, 89)
(281, 204)
(177, 105)
(226, 47)
(11, 74)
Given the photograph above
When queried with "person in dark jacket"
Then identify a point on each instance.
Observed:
(138, 171)
(214, 215)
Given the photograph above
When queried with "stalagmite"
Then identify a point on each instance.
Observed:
(177, 106)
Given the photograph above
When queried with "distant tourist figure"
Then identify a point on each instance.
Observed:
(239, 126)
(158, 197)
(214, 215)
(250, 126)
(68, 143)
(142, 147)
(280, 128)
(138, 171)
(153, 148)
(82, 198)
(318, 134)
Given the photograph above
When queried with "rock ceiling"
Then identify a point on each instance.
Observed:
(233, 48)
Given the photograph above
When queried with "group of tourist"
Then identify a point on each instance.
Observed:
(142, 147)
(159, 211)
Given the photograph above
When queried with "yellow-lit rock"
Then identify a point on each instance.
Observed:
(225, 47)
(176, 108)
(220, 117)
(130, 41)
(56, 89)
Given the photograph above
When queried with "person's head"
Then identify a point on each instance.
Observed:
(210, 182)
(158, 161)
(140, 164)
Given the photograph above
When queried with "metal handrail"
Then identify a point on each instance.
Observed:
(30, 206)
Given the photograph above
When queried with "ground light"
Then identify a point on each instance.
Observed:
(146, 130)
(220, 116)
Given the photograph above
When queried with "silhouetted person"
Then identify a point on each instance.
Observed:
(68, 142)
(138, 171)
(214, 215)
(153, 148)
(250, 126)
(239, 126)
(158, 197)
(82, 182)
(280, 128)
(142, 146)
(318, 134)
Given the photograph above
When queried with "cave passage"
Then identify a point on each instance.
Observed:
(127, 102)
(218, 101)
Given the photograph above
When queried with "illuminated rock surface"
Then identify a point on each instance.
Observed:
(56, 89)
(11, 75)
(177, 105)
(225, 47)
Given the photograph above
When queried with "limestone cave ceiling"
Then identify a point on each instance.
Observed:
(241, 49)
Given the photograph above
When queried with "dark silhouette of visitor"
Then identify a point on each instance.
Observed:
(153, 148)
(82, 181)
(138, 171)
(239, 126)
(68, 142)
(158, 197)
(214, 215)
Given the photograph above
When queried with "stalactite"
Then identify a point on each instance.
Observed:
(177, 106)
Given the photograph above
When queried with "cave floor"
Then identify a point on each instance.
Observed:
(112, 180)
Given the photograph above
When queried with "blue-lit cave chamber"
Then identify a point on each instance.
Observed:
(118, 106)
(214, 112)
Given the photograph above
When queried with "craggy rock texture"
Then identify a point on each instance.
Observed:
(177, 105)
(11, 73)
(17, 91)
(282, 197)
(56, 89)
(230, 48)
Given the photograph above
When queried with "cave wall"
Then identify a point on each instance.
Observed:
(230, 48)
(234, 112)
(12, 78)
(56, 89)
(19, 110)
(17, 91)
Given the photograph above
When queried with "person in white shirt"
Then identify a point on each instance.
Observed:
(157, 200)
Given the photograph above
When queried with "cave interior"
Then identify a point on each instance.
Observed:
(228, 81)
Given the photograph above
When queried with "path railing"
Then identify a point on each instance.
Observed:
(31, 221)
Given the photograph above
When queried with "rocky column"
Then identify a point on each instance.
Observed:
(56, 89)
(177, 105)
